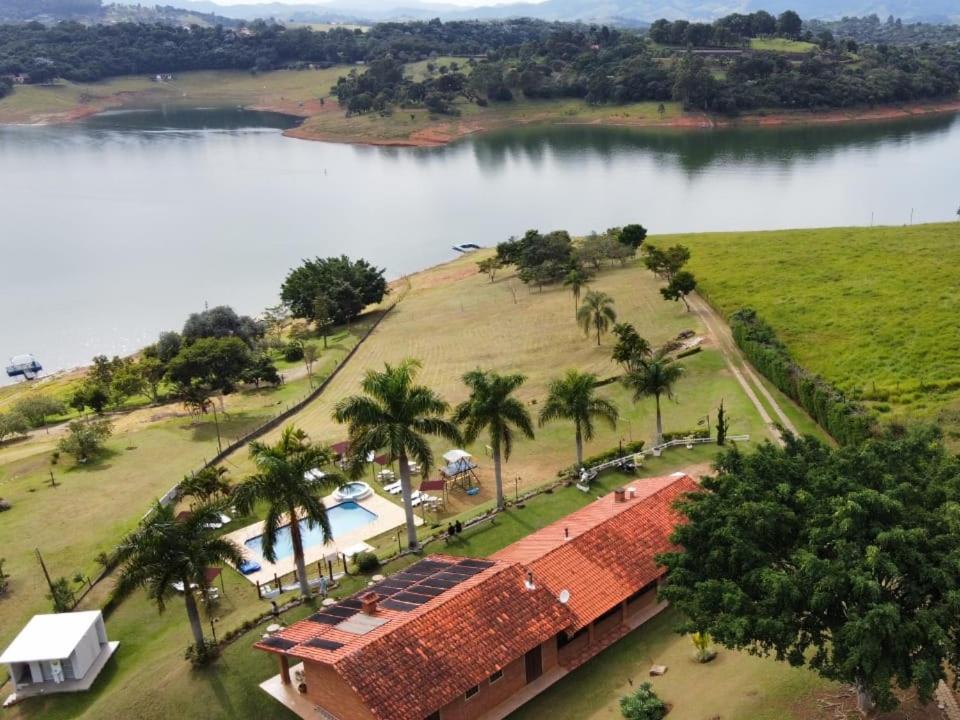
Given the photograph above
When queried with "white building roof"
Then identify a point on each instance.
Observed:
(49, 637)
(451, 456)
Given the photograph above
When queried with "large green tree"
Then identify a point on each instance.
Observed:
(164, 550)
(347, 287)
(396, 415)
(214, 363)
(574, 397)
(844, 560)
(290, 495)
(654, 377)
(493, 408)
(631, 350)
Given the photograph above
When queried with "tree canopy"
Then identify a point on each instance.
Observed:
(844, 560)
(344, 288)
(222, 321)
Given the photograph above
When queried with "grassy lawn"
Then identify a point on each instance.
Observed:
(871, 309)
(93, 506)
(782, 45)
(734, 686)
(454, 320)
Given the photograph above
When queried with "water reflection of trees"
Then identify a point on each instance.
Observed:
(691, 151)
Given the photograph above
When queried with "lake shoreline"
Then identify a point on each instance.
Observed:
(444, 134)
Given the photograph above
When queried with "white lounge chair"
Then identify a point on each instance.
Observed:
(394, 488)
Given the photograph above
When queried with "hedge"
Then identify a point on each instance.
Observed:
(686, 435)
(848, 422)
(630, 448)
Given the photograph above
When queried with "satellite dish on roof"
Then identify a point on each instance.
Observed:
(564, 596)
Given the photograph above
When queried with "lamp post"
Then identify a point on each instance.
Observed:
(213, 629)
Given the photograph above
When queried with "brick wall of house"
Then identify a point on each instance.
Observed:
(492, 694)
(608, 624)
(328, 690)
(573, 648)
(643, 602)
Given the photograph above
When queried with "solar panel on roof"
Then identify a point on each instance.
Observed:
(392, 604)
(426, 567)
(351, 603)
(455, 578)
(462, 570)
(427, 590)
(325, 618)
(343, 612)
(412, 598)
(279, 643)
(470, 562)
(436, 582)
(324, 644)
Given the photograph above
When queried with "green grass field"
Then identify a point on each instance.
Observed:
(871, 309)
(782, 45)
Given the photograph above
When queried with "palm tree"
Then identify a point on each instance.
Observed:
(596, 312)
(654, 378)
(281, 481)
(576, 280)
(164, 550)
(492, 407)
(395, 414)
(573, 397)
(204, 485)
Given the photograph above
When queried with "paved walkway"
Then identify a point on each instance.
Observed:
(947, 702)
(718, 330)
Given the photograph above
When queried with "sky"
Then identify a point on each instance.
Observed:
(385, 3)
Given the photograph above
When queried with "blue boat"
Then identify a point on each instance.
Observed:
(25, 366)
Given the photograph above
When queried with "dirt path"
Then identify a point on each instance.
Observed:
(741, 369)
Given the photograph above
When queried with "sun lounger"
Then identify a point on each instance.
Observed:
(248, 566)
(394, 488)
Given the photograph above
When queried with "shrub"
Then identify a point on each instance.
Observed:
(293, 352)
(643, 704)
(366, 562)
(846, 421)
(685, 434)
(85, 439)
(689, 352)
(630, 448)
(202, 654)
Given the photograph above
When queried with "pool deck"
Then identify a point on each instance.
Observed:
(389, 516)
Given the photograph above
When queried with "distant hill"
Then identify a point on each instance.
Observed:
(625, 11)
(94, 11)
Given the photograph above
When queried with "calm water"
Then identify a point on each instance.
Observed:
(344, 518)
(117, 228)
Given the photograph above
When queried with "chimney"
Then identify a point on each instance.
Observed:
(369, 600)
(619, 495)
(529, 582)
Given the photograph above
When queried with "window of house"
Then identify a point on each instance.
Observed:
(496, 676)
(642, 591)
(433, 716)
(563, 639)
(471, 692)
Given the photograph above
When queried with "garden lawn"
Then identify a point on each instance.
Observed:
(454, 320)
(734, 686)
(93, 506)
(782, 45)
(873, 310)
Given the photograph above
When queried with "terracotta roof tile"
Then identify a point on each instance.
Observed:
(612, 547)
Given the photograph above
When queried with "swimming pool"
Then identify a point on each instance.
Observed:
(344, 518)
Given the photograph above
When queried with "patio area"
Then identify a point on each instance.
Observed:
(387, 516)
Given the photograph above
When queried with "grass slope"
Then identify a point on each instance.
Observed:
(871, 309)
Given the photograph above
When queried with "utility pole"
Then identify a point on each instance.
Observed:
(53, 481)
(45, 573)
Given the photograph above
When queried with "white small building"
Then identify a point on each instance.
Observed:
(58, 653)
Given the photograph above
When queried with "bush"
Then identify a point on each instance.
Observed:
(202, 654)
(685, 434)
(366, 562)
(630, 448)
(846, 421)
(85, 439)
(293, 352)
(643, 704)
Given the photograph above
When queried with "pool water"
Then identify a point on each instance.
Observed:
(344, 518)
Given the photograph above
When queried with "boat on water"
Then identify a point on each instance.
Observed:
(466, 247)
(25, 366)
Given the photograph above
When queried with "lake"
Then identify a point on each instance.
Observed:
(116, 228)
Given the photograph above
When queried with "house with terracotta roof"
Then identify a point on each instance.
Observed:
(453, 638)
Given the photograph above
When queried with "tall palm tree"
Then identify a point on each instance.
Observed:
(164, 550)
(654, 378)
(573, 397)
(206, 484)
(576, 280)
(395, 414)
(492, 407)
(282, 483)
(596, 313)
